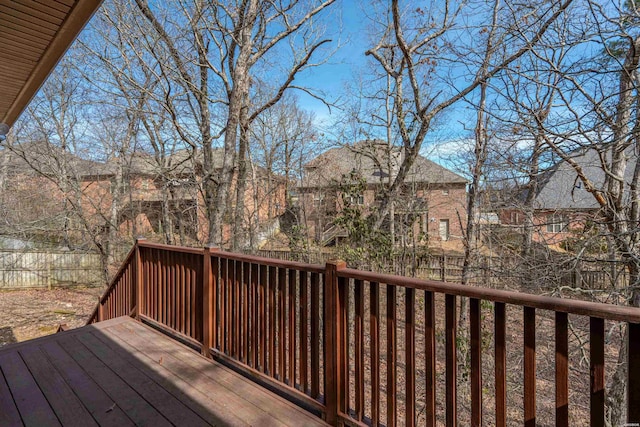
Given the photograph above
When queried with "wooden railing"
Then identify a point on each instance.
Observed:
(119, 299)
(362, 348)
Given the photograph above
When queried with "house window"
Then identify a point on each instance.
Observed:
(317, 199)
(444, 229)
(445, 192)
(356, 200)
(557, 224)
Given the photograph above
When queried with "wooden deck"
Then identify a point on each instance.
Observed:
(123, 373)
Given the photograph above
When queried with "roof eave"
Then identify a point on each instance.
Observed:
(67, 33)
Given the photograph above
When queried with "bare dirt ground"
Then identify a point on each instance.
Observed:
(27, 314)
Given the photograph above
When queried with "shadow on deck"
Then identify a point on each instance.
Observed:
(122, 372)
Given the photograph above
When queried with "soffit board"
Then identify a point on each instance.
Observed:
(34, 34)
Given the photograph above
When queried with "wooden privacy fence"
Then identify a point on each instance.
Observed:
(47, 269)
(359, 348)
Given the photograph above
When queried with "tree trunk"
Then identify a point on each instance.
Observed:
(237, 96)
(239, 235)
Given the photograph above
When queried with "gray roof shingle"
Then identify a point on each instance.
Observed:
(375, 162)
(563, 190)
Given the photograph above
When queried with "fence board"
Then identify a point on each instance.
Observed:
(47, 269)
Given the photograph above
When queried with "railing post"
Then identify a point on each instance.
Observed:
(333, 342)
(138, 283)
(209, 301)
(100, 313)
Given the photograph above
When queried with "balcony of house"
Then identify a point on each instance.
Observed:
(189, 336)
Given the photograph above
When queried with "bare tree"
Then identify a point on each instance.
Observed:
(598, 101)
(232, 42)
(283, 139)
(415, 46)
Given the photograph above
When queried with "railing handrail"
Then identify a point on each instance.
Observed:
(570, 306)
(121, 270)
(272, 262)
(112, 284)
(183, 249)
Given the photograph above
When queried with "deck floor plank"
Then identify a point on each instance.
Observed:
(197, 385)
(32, 404)
(123, 373)
(9, 415)
(60, 396)
(103, 409)
(164, 402)
(214, 378)
(285, 411)
(200, 403)
(136, 408)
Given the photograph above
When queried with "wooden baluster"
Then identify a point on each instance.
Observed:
(596, 363)
(181, 283)
(359, 348)
(451, 362)
(633, 373)
(234, 312)
(282, 287)
(304, 334)
(315, 334)
(171, 283)
(273, 283)
(194, 290)
(163, 282)
(291, 327)
(224, 296)
(262, 295)
(245, 310)
(562, 370)
(343, 344)
(529, 367)
(391, 356)
(430, 358)
(410, 352)
(475, 323)
(374, 331)
(255, 308)
(501, 363)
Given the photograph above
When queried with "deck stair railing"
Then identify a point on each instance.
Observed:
(325, 337)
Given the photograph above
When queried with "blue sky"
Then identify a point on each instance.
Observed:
(342, 69)
(332, 76)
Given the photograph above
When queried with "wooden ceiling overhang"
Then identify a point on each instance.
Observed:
(34, 34)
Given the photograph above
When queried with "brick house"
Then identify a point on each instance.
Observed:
(167, 194)
(432, 206)
(160, 199)
(563, 206)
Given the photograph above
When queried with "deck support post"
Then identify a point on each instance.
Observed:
(209, 301)
(138, 283)
(333, 341)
